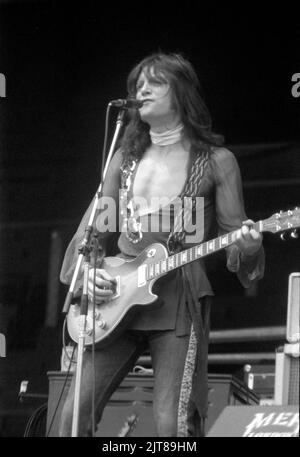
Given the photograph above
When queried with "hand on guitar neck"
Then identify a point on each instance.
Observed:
(248, 239)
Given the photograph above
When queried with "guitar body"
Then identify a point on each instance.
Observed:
(132, 294)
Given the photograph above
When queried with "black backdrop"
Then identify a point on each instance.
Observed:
(63, 62)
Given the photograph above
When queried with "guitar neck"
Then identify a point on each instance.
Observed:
(160, 268)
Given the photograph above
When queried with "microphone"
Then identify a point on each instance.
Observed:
(126, 103)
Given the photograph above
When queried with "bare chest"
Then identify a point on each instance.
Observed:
(158, 181)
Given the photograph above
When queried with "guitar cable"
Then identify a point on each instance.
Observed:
(93, 346)
(66, 377)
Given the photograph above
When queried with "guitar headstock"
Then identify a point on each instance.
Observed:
(282, 221)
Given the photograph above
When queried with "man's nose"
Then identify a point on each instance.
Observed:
(145, 88)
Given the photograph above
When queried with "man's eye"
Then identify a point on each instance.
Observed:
(155, 82)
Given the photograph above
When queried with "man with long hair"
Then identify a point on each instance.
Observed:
(168, 152)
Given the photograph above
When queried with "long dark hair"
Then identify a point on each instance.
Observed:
(187, 99)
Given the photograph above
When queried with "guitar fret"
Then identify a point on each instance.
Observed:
(170, 263)
(183, 257)
(210, 246)
(163, 265)
(194, 252)
(224, 240)
(199, 250)
(176, 261)
(179, 259)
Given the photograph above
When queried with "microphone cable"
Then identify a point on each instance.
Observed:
(66, 377)
(105, 141)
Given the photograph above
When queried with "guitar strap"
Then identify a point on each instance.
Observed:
(189, 194)
(130, 225)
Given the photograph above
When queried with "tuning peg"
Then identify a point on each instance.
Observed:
(282, 236)
(294, 234)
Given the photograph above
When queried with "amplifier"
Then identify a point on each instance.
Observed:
(257, 421)
(287, 356)
(293, 322)
(261, 379)
(129, 409)
(287, 375)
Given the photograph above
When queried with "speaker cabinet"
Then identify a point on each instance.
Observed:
(293, 322)
(257, 421)
(287, 375)
(287, 356)
(129, 411)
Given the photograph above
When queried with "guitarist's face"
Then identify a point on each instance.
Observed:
(158, 108)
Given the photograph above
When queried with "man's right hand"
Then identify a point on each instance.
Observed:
(104, 285)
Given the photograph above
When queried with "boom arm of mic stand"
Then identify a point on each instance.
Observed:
(89, 227)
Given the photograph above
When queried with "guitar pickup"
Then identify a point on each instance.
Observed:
(142, 270)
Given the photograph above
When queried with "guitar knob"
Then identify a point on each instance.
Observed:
(97, 315)
(282, 237)
(89, 330)
(294, 234)
(101, 323)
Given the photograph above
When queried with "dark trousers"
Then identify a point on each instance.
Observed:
(168, 354)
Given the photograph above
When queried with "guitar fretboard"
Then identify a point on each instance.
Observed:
(179, 259)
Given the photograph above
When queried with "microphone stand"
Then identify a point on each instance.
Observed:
(84, 251)
(89, 227)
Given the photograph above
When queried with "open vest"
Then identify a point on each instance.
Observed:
(198, 312)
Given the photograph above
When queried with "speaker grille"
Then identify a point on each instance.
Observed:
(293, 397)
(292, 328)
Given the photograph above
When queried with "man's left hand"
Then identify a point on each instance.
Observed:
(247, 239)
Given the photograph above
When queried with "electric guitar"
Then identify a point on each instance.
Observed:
(136, 278)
